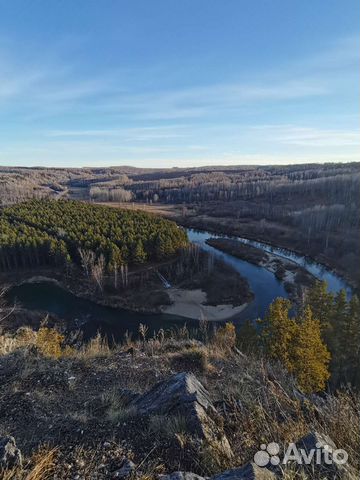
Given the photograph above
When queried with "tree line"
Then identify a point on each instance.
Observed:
(40, 232)
(320, 345)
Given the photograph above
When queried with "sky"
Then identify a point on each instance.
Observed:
(178, 83)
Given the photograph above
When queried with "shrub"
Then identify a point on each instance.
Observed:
(192, 360)
(225, 337)
(49, 342)
(97, 346)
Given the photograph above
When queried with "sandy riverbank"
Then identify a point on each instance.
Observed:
(192, 304)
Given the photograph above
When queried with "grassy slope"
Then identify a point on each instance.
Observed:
(73, 405)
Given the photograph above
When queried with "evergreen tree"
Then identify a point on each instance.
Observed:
(297, 344)
(339, 342)
(139, 254)
(321, 303)
(248, 338)
(278, 332)
(310, 355)
(353, 334)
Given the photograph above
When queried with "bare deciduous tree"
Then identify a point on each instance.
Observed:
(97, 272)
(5, 309)
(87, 260)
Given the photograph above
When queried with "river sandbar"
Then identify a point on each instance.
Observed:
(192, 304)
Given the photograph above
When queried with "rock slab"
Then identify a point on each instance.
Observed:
(328, 467)
(250, 471)
(10, 455)
(182, 394)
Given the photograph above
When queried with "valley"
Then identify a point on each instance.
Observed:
(263, 257)
(303, 208)
(109, 301)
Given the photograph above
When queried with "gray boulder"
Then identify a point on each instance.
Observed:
(182, 394)
(330, 465)
(250, 471)
(175, 393)
(314, 440)
(10, 455)
(127, 468)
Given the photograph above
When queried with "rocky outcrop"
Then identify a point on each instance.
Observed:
(315, 440)
(182, 394)
(10, 455)
(327, 460)
(324, 463)
(178, 392)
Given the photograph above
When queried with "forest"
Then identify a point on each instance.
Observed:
(40, 232)
(311, 208)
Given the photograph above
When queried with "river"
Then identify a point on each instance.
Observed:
(113, 322)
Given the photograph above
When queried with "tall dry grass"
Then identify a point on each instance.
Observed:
(41, 466)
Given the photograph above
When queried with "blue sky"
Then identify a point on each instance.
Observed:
(162, 83)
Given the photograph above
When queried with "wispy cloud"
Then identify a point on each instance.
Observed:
(199, 101)
(107, 116)
(339, 54)
(308, 136)
(135, 134)
(14, 84)
(62, 86)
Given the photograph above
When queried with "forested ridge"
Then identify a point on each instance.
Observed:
(54, 232)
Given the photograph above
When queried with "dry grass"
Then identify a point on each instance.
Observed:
(44, 464)
(96, 347)
(223, 340)
(339, 418)
(24, 337)
(50, 343)
(116, 409)
(167, 427)
(41, 466)
(260, 406)
(191, 360)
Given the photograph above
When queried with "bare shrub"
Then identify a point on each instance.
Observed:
(192, 360)
(224, 338)
(98, 346)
